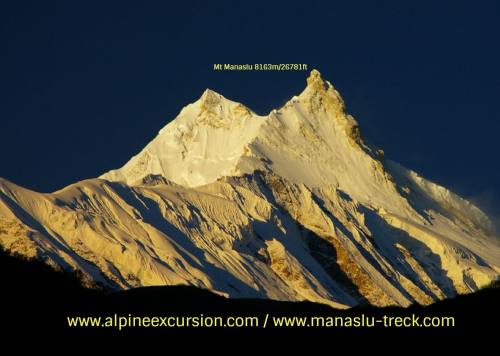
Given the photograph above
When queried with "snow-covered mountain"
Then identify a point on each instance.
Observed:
(291, 206)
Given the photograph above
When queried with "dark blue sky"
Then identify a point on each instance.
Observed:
(85, 85)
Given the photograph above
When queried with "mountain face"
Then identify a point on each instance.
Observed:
(290, 206)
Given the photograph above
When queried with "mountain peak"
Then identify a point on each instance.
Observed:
(211, 98)
(320, 95)
(215, 108)
(315, 82)
(315, 78)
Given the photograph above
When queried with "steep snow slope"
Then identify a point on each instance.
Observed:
(311, 140)
(127, 237)
(202, 144)
(293, 205)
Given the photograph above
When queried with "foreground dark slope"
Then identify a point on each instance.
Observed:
(38, 299)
